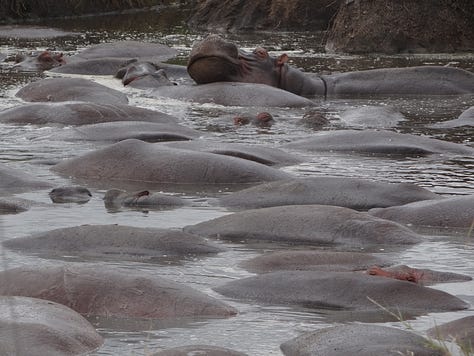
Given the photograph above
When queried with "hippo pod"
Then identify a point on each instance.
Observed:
(377, 142)
(36, 327)
(105, 291)
(215, 60)
(306, 224)
(358, 194)
(115, 242)
(359, 340)
(454, 212)
(80, 113)
(342, 291)
(70, 89)
(134, 160)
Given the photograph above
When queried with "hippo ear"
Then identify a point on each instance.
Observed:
(45, 56)
(282, 59)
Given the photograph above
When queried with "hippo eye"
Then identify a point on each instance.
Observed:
(261, 52)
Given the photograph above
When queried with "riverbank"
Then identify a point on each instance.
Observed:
(14, 11)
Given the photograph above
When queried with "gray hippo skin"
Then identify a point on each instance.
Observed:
(465, 119)
(457, 212)
(358, 194)
(342, 291)
(198, 350)
(234, 94)
(36, 327)
(15, 181)
(110, 292)
(72, 194)
(134, 160)
(359, 340)
(80, 113)
(460, 330)
(312, 261)
(108, 58)
(70, 89)
(122, 130)
(216, 60)
(116, 198)
(115, 242)
(306, 224)
(377, 142)
(14, 205)
(164, 73)
(258, 153)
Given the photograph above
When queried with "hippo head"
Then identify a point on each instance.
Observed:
(42, 61)
(216, 60)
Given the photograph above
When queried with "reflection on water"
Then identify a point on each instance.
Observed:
(257, 330)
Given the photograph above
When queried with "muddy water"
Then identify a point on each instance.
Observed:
(258, 329)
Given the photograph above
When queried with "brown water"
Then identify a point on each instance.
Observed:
(258, 329)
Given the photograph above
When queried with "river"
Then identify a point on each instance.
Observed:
(257, 329)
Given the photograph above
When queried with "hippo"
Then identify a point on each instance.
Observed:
(108, 58)
(465, 119)
(314, 119)
(117, 198)
(233, 94)
(454, 212)
(42, 61)
(143, 75)
(417, 275)
(37, 327)
(115, 242)
(70, 89)
(122, 130)
(306, 225)
(360, 340)
(379, 142)
(70, 194)
(263, 119)
(314, 260)
(354, 193)
(371, 116)
(80, 113)
(342, 291)
(99, 290)
(15, 181)
(135, 160)
(460, 330)
(215, 60)
(257, 153)
(14, 205)
(198, 350)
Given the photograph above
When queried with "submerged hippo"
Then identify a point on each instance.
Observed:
(455, 212)
(70, 89)
(354, 193)
(306, 224)
(143, 75)
(360, 340)
(465, 119)
(70, 194)
(135, 160)
(42, 61)
(115, 242)
(80, 113)
(111, 292)
(15, 181)
(216, 60)
(116, 198)
(342, 291)
(198, 350)
(37, 327)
